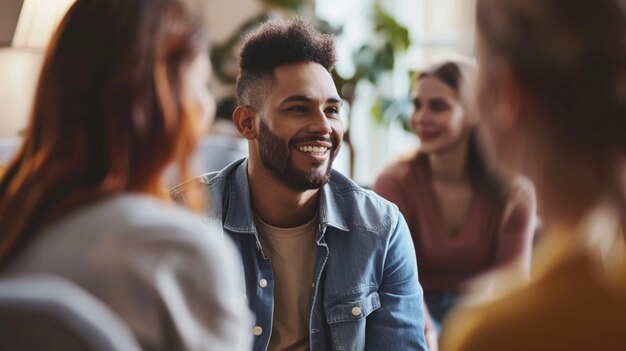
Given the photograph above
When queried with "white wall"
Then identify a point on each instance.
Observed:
(225, 16)
(19, 71)
(20, 64)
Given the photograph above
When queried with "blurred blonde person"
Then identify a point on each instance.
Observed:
(464, 217)
(553, 84)
(121, 95)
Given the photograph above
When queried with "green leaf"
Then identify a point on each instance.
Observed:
(386, 25)
(377, 110)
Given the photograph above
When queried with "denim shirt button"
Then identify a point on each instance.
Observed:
(313, 331)
(257, 330)
(356, 311)
(262, 283)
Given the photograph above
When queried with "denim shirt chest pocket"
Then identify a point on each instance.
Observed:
(346, 316)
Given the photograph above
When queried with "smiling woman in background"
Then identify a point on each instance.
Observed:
(553, 85)
(464, 218)
(122, 95)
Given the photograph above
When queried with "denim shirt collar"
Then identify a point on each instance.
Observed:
(239, 217)
(331, 214)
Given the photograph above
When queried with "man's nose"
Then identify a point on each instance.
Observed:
(320, 124)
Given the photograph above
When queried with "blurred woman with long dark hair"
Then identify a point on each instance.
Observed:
(465, 216)
(122, 94)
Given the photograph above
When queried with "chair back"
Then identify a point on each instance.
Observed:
(46, 312)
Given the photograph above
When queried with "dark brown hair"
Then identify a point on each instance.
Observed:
(110, 112)
(276, 43)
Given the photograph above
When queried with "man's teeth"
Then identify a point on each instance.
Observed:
(313, 149)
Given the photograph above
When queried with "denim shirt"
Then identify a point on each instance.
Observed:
(366, 294)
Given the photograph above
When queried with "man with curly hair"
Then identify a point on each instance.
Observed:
(328, 264)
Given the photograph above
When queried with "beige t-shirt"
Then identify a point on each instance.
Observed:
(292, 251)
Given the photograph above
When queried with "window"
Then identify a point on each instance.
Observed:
(436, 28)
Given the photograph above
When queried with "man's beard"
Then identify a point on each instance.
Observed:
(276, 156)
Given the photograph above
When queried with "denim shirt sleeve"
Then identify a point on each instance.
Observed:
(399, 323)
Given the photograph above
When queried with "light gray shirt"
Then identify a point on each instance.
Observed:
(170, 277)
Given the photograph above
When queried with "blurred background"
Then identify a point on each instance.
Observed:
(381, 44)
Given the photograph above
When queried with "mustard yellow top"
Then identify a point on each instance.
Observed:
(576, 299)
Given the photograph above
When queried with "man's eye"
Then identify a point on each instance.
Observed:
(332, 110)
(298, 108)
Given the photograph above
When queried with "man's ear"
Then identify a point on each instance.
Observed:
(243, 118)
